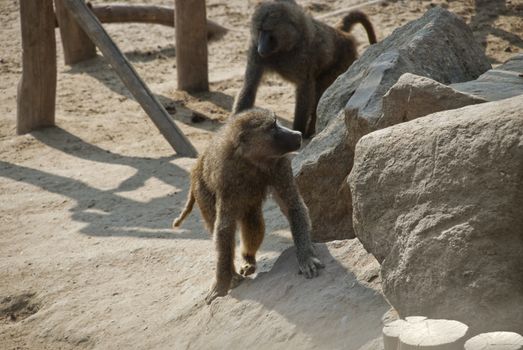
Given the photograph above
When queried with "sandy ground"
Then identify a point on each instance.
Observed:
(87, 256)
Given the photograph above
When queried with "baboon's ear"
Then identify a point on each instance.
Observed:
(239, 143)
(239, 139)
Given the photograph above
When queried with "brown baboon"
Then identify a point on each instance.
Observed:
(308, 53)
(230, 181)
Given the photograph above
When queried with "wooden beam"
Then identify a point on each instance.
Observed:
(37, 88)
(77, 45)
(191, 45)
(94, 29)
(343, 11)
(123, 13)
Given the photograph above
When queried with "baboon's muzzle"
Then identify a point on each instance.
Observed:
(265, 44)
(287, 140)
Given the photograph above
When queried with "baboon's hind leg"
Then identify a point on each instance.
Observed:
(252, 232)
(305, 98)
(207, 204)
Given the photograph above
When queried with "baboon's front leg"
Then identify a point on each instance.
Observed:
(305, 106)
(291, 203)
(224, 230)
(252, 232)
(253, 74)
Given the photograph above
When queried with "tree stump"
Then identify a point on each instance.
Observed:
(37, 88)
(495, 341)
(391, 334)
(77, 45)
(433, 335)
(415, 319)
(191, 45)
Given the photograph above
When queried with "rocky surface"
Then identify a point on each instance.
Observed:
(438, 203)
(502, 82)
(327, 160)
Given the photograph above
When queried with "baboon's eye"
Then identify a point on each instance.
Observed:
(273, 125)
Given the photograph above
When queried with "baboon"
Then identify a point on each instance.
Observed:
(230, 181)
(308, 53)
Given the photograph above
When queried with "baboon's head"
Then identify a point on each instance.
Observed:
(258, 136)
(275, 26)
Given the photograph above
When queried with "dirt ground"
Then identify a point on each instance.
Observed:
(87, 255)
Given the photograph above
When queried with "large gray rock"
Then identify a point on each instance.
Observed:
(324, 164)
(502, 82)
(439, 202)
(319, 170)
(414, 96)
(439, 45)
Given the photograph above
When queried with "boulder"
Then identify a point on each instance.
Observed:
(414, 96)
(438, 45)
(319, 170)
(504, 81)
(439, 202)
(322, 167)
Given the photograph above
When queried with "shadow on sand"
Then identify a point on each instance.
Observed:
(108, 212)
(334, 308)
(482, 23)
(100, 69)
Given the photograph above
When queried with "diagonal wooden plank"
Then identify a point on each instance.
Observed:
(154, 109)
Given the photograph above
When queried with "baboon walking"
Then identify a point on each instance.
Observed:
(230, 181)
(308, 53)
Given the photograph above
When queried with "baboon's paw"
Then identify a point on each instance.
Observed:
(309, 266)
(247, 269)
(214, 293)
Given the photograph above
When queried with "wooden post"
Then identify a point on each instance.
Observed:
(94, 29)
(191, 45)
(37, 88)
(77, 45)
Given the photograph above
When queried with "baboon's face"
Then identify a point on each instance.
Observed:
(274, 29)
(261, 137)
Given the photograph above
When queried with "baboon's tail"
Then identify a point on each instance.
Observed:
(358, 17)
(188, 207)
